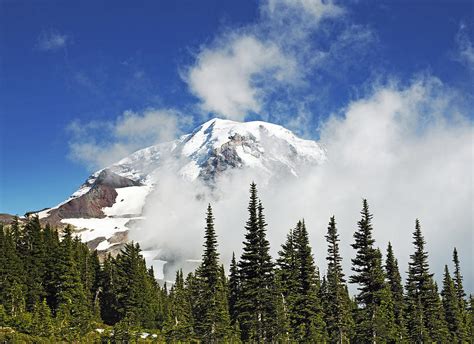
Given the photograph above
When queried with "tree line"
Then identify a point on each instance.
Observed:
(53, 288)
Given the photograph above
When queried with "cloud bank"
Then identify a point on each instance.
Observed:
(407, 149)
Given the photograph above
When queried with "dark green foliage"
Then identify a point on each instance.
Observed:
(394, 281)
(255, 304)
(374, 320)
(452, 312)
(299, 285)
(73, 309)
(12, 277)
(134, 289)
(54, 289)
(470, 317)
(213, 323)
(32, 252)
(461, 299)
(310, 326)
(337, 303)
(287, 276)
(234, 290)
(422, 296)
(180, 324)
(42, 322)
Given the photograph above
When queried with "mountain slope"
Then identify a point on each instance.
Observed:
(110, 202)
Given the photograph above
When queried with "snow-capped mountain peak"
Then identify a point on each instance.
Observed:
(112, 198)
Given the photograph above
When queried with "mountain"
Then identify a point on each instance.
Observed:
(111, 200)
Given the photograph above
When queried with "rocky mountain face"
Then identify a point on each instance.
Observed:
(111, 200)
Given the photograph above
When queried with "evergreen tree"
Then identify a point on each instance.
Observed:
(234, 290)
(42, 322)
(51, 243)
(395, 283)
(32, 252)
(471, 318)
(180, 325)
(338, 313)
(452, 313)
(287, 274)
(374, 321)
(255, 305)
(458, 280)
(213, 324)
(461, 298)
(12, 277)
(310, 325)
(73, 312)
(109, 286)
(416, 330)
(422, 292)
(134, 288)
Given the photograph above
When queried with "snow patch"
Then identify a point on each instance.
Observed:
(130, 201)
(94, 228)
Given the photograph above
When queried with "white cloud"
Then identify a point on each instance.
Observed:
(51, 41)
(239, 72)
(98, 144)
(465, 52)
(225, 77)
(408, 150)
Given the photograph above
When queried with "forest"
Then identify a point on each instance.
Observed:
(54, 289)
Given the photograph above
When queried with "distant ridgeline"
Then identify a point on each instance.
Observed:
(54, 290)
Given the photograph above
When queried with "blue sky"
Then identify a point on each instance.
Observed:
(75, 77)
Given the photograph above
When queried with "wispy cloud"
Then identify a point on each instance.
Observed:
(51, 41)
(465, 48)
(98, 144)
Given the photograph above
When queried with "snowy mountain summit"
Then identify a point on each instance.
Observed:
(112, 199)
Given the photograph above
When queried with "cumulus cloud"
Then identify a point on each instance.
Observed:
(408, 150)
(98, 144)
(465, 53)
(51, 41)
(237, 74)
(225, 77)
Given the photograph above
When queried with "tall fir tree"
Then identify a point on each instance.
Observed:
(32, 251)
(73, 313)
(374, 319)
(12, 276)
(256, 303)
(234, 291)
(452, 312)
(42, 322)
(287, 274)
(337, 303)
(51, 243)
(108, 291)
(310, 326)
(394, 281)
(179, 328)
(213, 325)
(134, 292)
(422, 293)
(461, 297)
